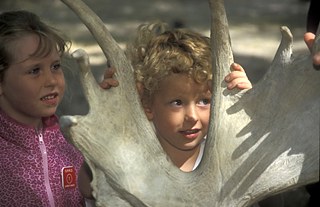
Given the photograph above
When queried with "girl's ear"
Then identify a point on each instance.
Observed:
(1, 89)
(145, 103)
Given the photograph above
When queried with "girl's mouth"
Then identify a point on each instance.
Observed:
(51, 99)
(48, 97)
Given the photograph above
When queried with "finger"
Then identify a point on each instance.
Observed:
(240, 83)
(109, 73)
(235, 75)
(309, 39)
(241, 86)
(108, 83)
(104, 85)
(236, 67)
(316, 59)
(244, 85)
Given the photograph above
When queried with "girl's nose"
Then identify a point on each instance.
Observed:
(50, 78)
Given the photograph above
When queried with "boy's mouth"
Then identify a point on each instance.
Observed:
(191, 134)
(191, 131)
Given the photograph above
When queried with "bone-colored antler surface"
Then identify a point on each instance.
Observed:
(260, 142)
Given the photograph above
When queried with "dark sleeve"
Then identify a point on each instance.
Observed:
(313, 16)
(313, 190)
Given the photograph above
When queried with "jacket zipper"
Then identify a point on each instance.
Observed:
(45, 168)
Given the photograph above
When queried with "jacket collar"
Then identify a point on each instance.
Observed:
(21, 134)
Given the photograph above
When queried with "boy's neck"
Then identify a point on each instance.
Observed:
(184, 159)
(188, 164)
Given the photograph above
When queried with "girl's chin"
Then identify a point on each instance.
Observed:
(49, 112)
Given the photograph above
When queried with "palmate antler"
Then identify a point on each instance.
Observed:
(260, 142)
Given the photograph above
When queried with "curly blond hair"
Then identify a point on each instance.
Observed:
(158, 52)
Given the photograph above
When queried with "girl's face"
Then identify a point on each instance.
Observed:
(32, 87)
(180, 112)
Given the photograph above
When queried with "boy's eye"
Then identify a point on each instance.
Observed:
(204, 101)
(176, 102)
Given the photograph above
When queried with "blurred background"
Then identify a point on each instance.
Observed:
(254, 28)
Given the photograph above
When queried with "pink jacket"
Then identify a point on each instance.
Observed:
(31, 164)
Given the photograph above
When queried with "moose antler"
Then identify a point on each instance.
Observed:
(259, 143)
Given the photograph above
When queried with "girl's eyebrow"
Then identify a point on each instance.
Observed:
(19, 62)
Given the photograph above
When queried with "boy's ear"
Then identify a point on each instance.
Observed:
(140, 89)
(145, 103)
(148, 112)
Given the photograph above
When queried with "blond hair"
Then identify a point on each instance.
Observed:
(158, 52)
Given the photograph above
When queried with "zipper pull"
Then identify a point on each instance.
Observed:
(40, 138)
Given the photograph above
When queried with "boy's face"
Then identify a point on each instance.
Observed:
(180, 112)
(32, 86)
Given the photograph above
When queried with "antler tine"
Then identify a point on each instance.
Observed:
(88, 81)
(222, 58)
(109, 46)
(222, 55)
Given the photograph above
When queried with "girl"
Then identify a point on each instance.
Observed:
(37, 166)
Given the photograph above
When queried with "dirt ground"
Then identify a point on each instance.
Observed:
(254, 28)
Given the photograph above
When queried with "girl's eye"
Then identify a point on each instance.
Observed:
(176, 102)
(204, 102)
(34, 71)
(56, 66)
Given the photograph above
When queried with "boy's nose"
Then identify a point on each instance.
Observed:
(191, 114)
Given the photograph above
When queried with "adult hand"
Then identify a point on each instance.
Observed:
(309, 39)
